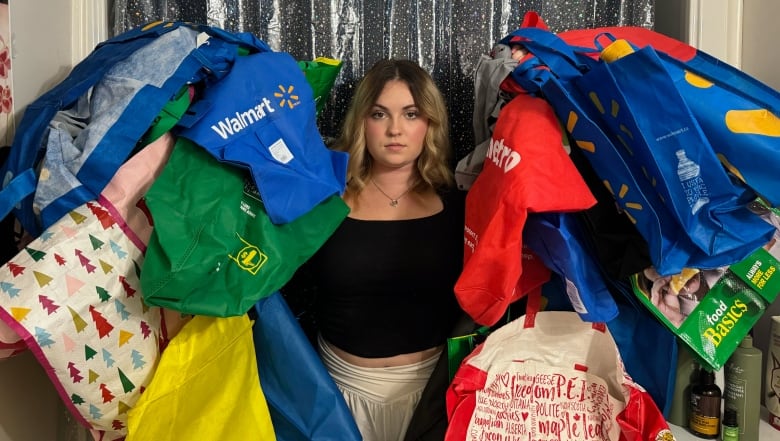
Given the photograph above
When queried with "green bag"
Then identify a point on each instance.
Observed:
(459, 347)
(321, 75)
(214, 251)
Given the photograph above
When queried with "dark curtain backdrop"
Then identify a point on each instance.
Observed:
(446, 37)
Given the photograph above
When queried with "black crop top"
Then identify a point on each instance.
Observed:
(386, 287)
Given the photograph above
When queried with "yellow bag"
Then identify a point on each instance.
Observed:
(206, 387)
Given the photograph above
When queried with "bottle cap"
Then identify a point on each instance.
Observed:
(746, 342)
(730, 417)
(706, 376)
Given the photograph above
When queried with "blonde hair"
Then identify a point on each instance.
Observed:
(433, 166)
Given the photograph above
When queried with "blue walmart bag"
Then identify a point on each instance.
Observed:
(621, 136)
(661, 140)
(262, 116)
(72, 139)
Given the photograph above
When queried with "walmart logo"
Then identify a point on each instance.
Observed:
(623, 192)
(233, 124)
(287, 97)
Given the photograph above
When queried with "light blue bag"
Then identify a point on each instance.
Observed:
(73, 138)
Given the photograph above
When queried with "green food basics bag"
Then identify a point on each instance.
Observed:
(214, 251)
(712, 310)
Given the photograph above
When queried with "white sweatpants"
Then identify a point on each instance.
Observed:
(382, 400)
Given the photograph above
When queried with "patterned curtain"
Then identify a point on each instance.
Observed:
(446, 37)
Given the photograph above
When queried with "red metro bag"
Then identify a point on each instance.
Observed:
(527, 170)
(550, 375)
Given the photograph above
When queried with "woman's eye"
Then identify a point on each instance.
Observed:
(412, 114)
(377, 114)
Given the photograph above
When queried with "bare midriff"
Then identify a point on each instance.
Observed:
(396, 360)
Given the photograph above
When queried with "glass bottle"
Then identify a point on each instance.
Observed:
(730, 427)
(705, 406)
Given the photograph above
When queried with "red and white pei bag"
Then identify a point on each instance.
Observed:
(550, 376)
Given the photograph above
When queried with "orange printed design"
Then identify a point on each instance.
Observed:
(589, 146)
(753, 122)
(697, 81)
(620, 196)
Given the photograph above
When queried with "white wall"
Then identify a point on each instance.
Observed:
(760, 35)
(41, 47)
(41, 57)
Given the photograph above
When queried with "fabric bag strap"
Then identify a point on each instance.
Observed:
(565, 61)
(533, 308)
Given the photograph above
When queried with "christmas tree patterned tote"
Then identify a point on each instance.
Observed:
(73, 295)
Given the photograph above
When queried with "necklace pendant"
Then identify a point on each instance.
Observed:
(393, 202)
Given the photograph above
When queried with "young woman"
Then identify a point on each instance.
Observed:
(385, 302)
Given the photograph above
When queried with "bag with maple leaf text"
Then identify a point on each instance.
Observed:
(73, 295)
(550, 375)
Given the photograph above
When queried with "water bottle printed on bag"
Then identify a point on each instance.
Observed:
(689, 172)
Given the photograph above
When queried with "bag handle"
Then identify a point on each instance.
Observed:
(563, 59)
(532, 307)
(534, 304)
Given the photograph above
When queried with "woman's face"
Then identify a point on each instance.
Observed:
(395, 130)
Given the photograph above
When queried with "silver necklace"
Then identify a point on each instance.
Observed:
(393, 201)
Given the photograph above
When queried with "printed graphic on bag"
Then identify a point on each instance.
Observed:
(712, 310)
(73, 295)
(527, 400)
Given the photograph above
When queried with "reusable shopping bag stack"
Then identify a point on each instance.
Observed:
(175, 179)
(614, 183)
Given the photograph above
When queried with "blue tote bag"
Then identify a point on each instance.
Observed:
(262, 117)
(728, 231)
(661, 140)
(112, 97)
(303, 400)
(560, 243)
(739, 114)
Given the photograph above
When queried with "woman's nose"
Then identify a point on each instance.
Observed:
(393, 126)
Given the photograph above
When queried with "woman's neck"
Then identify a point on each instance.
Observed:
(394, 181)
(389, 194)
